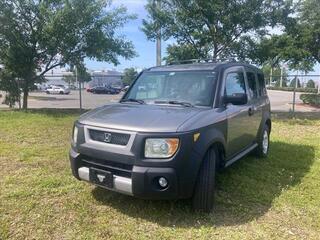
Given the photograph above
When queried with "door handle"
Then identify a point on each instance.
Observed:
(251, 111)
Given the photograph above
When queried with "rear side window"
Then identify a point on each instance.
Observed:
(253, 89)
(262, 85)
(235, 83)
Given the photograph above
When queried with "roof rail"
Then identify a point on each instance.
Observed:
(206, 60)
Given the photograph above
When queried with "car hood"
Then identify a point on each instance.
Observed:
(139, 118)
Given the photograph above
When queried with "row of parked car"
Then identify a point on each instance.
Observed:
(106, 90)
(61, 89)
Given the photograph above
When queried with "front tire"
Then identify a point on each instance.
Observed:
(263, 143)
(203, 196)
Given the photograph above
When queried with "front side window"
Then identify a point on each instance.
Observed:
(252, 84)
(235, 83)
(194, 87)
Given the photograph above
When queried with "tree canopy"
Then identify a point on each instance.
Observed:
(297, 45)
(241, 28)
(37, 36)
(130, 75)
(212, 28)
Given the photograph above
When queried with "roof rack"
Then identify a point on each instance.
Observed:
(208, 60)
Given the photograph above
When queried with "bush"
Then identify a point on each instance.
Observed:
(293, 83)
(290, 89)
(311, 84)
(313, 99)
(10, 100)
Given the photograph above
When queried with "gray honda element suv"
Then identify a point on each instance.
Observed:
(172, 130)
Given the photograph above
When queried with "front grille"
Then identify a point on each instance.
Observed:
(109, 137)
(119, 169)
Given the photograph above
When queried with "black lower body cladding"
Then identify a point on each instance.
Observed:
(137, 176)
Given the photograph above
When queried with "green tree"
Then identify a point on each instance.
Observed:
(70, 79)
(298, 46)
(311, 84)
(182, 52)
(213, 27)
(37, 36)
(276, 75)
(130, 75)
(10, 83)
(293, 83)
(308, 27)
(81, 73)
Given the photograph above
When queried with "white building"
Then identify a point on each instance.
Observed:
(106, 78)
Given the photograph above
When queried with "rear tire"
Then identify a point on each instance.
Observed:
(203, 196)
(263, 143)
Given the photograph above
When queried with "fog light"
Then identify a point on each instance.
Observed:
(163, 182)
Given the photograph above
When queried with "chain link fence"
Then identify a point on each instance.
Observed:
(294, 93)
(68, 91)
(287, 93)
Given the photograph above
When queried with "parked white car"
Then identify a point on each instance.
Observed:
(57, 90)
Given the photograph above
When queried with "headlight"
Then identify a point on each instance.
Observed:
(75, 134)
(160, 147)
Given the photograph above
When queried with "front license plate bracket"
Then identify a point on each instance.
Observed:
(101, 177)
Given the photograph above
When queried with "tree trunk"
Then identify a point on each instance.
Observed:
(25, 98)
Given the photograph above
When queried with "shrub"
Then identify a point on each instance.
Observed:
(290, 89)
(311, 84)
(313, 99)
(293, 83)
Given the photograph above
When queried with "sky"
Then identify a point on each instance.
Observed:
(146, 49)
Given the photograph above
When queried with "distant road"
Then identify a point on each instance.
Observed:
(282, 100)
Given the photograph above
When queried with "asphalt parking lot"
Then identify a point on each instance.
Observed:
(89, 100)
(281, 101)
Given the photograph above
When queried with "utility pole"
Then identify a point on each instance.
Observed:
(281, 77)
(80, 96)
(271, 73)
(319, 84)
(158, 5)
(294, 95)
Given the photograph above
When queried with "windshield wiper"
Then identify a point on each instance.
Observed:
(133, 100)
(173, 102)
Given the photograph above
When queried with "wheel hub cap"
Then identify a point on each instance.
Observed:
(265, 142)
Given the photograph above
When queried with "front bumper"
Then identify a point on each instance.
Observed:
(120, 184)
(141, 182)
(132, 173)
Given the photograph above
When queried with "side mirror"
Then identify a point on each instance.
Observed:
(236, 99)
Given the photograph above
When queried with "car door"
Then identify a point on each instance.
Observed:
(239, 117)
(55, 90)
(254, 101)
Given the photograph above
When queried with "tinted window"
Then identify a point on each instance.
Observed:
(252, 84)
(235, 83)
(262, 85)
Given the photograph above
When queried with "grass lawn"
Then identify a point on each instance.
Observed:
(273, 198)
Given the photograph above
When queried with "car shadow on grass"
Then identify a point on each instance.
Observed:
(245, 191)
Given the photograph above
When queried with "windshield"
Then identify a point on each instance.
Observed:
(192, 87)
